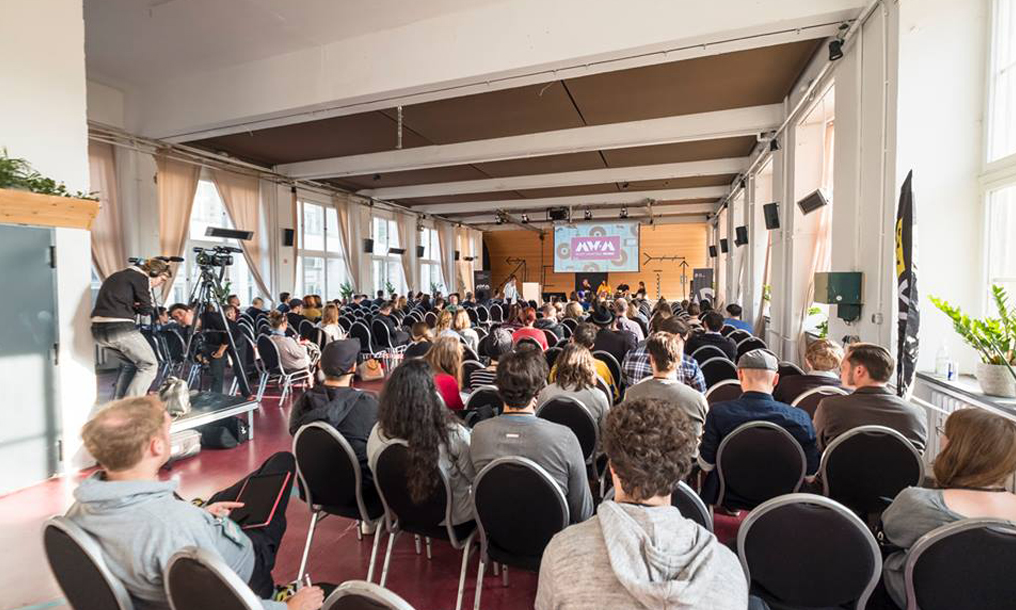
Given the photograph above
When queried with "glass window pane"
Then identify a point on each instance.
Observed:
(1001, 248)
(1002, 111)
(393, 235)
(208, 211)
(312, 276)
(333, 245)
(336, 277)
(313, 227)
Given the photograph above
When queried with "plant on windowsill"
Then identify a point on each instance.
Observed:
(346, 290)
(435, 288)
(389, 287)
(28, 197)
(994, 339)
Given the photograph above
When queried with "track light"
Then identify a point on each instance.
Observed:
(836, 44)
(774, 145)
(624, 212)
(525, 219)
(588, 214)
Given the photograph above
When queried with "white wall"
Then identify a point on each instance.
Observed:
(105, 104)
(42, 118)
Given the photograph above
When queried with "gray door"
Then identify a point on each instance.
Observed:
(29, 422)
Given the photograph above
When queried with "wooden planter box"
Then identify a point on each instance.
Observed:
(22, 207)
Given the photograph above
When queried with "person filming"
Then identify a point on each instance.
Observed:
(124, 295)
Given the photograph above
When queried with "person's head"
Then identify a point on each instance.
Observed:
(330, 315)
(496, 344)
(693, 309)
(620, 308)
(410, 409)
(444, 321)
(685, 303)
(576, 368)
(866, 364)
(296, 306)
(338, 360)
(585, 335)
(734, 311)
(650, 446)
(756, 370)
(231, 312)
(181, 314)
(461, 320)
(633, 311)
(233, 300)
(669, 324)
(573, 310)
(380, 294)
(453, 298)
(158, 271)
(420, 332)
(258, 303)
(528, 316)
(602, 317)
(706, 305)
(278, 321)
(162, 315)
(713, 321)
(439, 302)
(979, 450)
(128, 434)
(824, 355)
(549, 311)
(445, 356)
(665, 352)
(642, 284)
(284, 297)
(385, 308)
(402, 304)
(357, 298)
(520, 376)
(308, 301)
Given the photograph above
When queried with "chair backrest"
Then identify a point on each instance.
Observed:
(363, 595)
(307, 329)
(716, 370)
(468, 366)
(473, 316)
(788, 369)
(346, 322)
(379, 330)
(175, 344)
(756, 462)
(360, 331)
(728, 389)
(611, 362)
(485, 397)
(482, 314)
(552, 339)
(196, 579)
(530, 342)
(507, 488)
(551, 355)
(431, 319)
(571, 413)
(269, 353)
(739, 335)
(468, 353)
(749, 344)
(708, 352)
(965, 565)
(76, 561)
(727, 329)
(390, 477)
(691, 505)
(808, 401)
(328, 470)
(866, 467)
(571, 323)
(830, 561)
(496, 314)
(604, 387)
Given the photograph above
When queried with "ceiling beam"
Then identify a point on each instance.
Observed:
(667, 130)
(675, 219)
(633, 214)
(627, 198)
(663, 171)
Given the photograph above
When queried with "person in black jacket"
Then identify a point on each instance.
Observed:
(351, 412)
(549, 321)
(216, 346)
(384, 315)
(713, 322)
(124, 295)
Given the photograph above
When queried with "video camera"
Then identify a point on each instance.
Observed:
(218, 256)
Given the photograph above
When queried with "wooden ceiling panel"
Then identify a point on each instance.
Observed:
(677, 153)
(550, 164)
(567, 191)
(449, 173)
(717, 82)
(465, 198)
(497, 114)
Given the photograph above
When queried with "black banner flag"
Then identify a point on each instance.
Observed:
(906, 277)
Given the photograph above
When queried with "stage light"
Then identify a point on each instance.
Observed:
(835, 50)
(624, 212)
(588, 214)
(774, 145)
(525, 219)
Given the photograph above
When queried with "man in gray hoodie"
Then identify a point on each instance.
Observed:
(139, 522)
(638, 551)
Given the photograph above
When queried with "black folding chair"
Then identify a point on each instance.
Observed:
(788, 369)
(360, 331)
(729, 389)
(551, 355)
(332, 484)
(503, 490)
(274, 371)
(749, 344)
(691, 506)
(716, 370)
(575, 416)
(76, 561)
(966, 565)
(383, 336)
(808, 401)
(707, 352)
(570, 323)
(483, 403)
(197, 579)
(615, 370)
(307, 329)
(360, 595)
(756, 462)
(807, 551)
(552, 339)
(727, 330)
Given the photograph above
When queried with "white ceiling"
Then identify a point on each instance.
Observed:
(143, 41)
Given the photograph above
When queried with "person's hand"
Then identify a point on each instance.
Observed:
(307, 598)
(222, 509)
(219, 353)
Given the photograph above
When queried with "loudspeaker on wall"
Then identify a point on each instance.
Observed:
(287, 237)
(368, 245)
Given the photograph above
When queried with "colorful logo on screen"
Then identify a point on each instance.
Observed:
(596, 248)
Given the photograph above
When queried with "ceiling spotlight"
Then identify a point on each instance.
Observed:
(624, 212)
(774, 145)
(525, 219)
(588, 214)
(624, 185)
(836, 44)
(375, 177)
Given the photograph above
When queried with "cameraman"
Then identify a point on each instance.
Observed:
(124, 295)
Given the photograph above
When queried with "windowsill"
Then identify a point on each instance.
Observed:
(967, 389)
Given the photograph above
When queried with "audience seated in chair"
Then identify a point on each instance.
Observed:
(549, 321)
(257, 307)
(292, 355)
(295, 313)
(576, 378)
(463, 328)
(978, 458)
(756, 371)
(329, 324)
(140, 523)
(384, 315)
(712, 322)
(350, 411)
(823, 359)
(868, 368)
(636, 367)
(734, 318)
(528, 330)
(638, 551)
(585, 335)
(411, 412)
(421, 340)
(494, 346)
(445, 360)
(518, 432)
(625, 323)
(615, 342)
(665, 353)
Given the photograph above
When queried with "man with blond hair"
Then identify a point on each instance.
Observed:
(139, 522)
(823, 359)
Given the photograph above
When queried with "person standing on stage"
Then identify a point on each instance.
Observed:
(511, 292)
(124, 295)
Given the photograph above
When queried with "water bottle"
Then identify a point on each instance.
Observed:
(942, 362)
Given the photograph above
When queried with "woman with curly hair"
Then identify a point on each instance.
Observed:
(576, 378)
(411, 412)
(638, 551)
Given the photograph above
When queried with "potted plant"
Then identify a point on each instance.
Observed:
(346, 289)
(995, 342)
(28, 197)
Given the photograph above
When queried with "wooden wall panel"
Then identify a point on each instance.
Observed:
(688, 240)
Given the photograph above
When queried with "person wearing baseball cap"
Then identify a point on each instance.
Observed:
(350, 411)
(756, 371)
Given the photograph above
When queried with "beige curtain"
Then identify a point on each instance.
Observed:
(445, 241)
(465, 268)
(407, 226)
(349, 254)
(177, 183)
(108, 254)
(241, 196)
(296, 238)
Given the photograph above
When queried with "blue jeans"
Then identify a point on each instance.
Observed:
(140, 366)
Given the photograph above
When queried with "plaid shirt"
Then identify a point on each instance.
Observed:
(636, 367)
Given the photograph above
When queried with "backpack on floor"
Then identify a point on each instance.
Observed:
(226, 433)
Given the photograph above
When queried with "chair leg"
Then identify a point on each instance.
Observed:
(479, 584)
(388, 558)
(359, 531)
(306, 546)
(467, 552)
(429, 554)
(495, 568)
(373, 552)
(416, 538)
(504, 575)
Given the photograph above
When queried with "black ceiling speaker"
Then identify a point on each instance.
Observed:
(771, 213)
(420, 251)
(740, 236)
(287, 237)
(813, 201)
(398, 251)
(368, 245)
(724, 245)
(557, 213)
(712, 251)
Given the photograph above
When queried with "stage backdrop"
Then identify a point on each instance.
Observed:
(596, 247)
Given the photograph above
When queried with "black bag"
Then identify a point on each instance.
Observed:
(226, 433)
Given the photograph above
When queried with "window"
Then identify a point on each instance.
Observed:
(1001, 138)
(386, 268)
(321, 268)
(430, 262)
(1001, 248)
(209, 211)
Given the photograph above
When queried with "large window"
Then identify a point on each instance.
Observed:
(1002, 85)
(386, 268)
(999, 180)
(430, 262)
(321, 268)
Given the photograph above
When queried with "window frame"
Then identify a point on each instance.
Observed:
(327, 255)
(386, 260)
